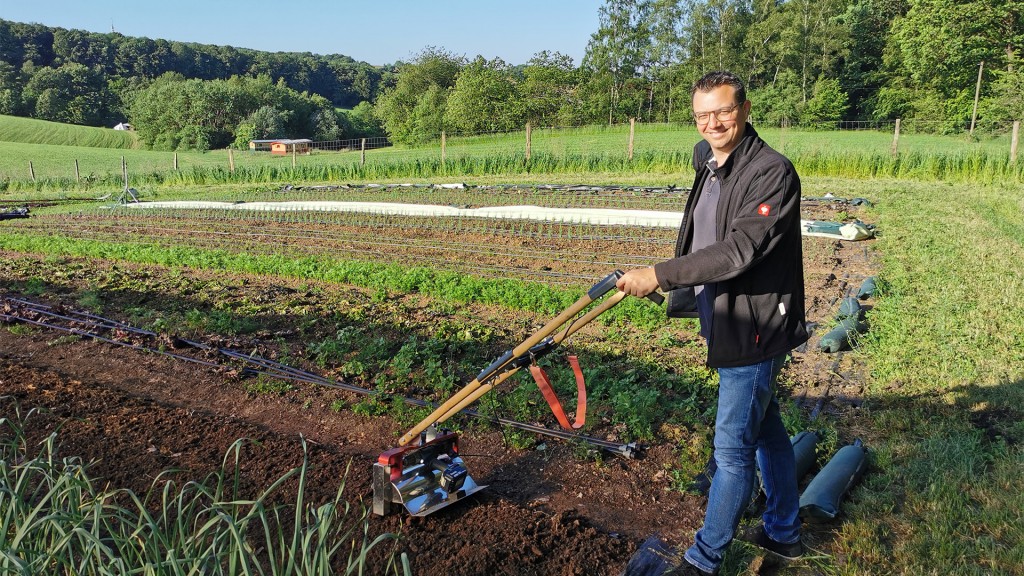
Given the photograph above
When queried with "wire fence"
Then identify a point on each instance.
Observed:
(352, 145)
(634, 148)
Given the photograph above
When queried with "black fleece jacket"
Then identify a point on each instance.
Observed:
(757, 261)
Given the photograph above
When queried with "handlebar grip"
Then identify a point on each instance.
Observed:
(655, 297)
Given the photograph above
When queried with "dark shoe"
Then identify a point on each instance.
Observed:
(759, 538)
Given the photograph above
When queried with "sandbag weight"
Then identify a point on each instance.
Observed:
(842, 336)
(820, 500)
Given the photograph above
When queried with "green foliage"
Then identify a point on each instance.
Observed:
(777, 104)
(324, 125)
(485, 98)
(892, 102)
(72, 93)
(57, 519)
(91, 300)
(360, 122)
(941, 42)
(550, 90)
(34, 287)
(174, 112)
(245, 133)
(828, 104)
(124, 60)
(1006, 104)
(661, 155)
(20, 329)
(268, 122)
(413, 110)
(220, 322)
(266, 386)
(616, 54)
(332, 350)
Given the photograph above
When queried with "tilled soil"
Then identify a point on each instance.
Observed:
(545, 510)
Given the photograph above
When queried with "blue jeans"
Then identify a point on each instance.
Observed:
(748, 426)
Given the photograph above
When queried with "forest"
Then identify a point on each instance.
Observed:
(945, 65)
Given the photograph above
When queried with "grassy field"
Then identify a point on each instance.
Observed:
(31, 131)
(660, 151)
(946, 489)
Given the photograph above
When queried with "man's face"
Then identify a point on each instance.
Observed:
(725, 117)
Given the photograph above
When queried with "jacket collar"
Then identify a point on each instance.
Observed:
(749, 144)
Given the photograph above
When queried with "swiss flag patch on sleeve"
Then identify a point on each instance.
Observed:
(764, 209)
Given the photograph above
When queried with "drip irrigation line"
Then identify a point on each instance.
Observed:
(270, 368)
(94, 336)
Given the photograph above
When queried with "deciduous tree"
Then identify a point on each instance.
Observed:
(485, 98)
(413, 111)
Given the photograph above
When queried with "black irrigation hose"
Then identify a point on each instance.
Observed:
(269, 367)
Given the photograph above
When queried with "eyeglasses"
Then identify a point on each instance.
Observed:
(722, 115)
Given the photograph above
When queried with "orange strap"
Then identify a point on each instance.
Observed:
(544, 383)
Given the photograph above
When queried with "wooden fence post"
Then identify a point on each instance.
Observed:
(362, 152)
(1013, 141)
(293, 155)
(895, 138)
(78, 175)
(124, 172)
(175, 161)
(632, 127)
(231, 161)
(31, 171)
(444, 152)
(529, 140)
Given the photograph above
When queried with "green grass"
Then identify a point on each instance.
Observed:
(661, 152)
(944, 417)
(32, 131)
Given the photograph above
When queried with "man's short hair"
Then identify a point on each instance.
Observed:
(712, 80)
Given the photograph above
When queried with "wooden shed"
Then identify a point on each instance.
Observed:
(260, 145)
(285, 147)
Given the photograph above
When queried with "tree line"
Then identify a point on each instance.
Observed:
(811, 62)
(98, 79)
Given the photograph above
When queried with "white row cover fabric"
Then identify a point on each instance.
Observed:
(605, 216)
(601, 216)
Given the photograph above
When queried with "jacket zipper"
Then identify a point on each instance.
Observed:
(753, 320)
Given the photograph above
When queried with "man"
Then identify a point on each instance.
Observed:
(740, 249)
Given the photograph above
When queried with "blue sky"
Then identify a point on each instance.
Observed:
(374, 31)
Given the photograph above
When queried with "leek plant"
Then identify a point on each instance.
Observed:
(54, 520)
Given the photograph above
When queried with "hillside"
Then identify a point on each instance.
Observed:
(32, 131)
